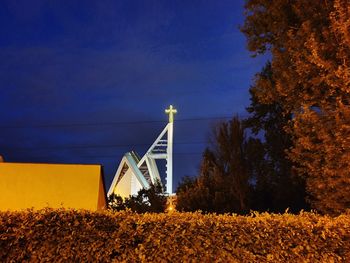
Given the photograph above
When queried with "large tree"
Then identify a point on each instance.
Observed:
(276, 187)
(309, 43)
(223, 183)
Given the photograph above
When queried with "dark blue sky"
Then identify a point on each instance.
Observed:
(77, 77)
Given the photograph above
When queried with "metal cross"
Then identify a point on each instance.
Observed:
(171, 111)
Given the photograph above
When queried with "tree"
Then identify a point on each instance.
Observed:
(186, 183)
(223, 183)
(310, 46)
(276, 187)
(116, 202)
(147, 200)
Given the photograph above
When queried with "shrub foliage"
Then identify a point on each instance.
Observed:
(151, 200)
(70, 236)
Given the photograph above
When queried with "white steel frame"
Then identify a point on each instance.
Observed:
(146, 170)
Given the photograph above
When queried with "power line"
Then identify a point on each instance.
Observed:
(111, 156)
(72, 125)
(114, 156)
(59, 147)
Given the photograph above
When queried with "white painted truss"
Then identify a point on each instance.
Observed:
(135, 173)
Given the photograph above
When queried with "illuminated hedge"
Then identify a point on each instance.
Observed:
(63, 235)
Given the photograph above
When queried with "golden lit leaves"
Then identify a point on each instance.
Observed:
(310, 49)
(63, 235)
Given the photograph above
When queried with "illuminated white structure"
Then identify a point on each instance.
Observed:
(135, 173)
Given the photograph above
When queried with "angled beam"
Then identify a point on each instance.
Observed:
(135, 169)
(116, 176)
(159, 139)
(153, 169)
(133, 166)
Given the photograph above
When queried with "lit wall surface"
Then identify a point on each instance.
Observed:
(25, 185)
(128, 185)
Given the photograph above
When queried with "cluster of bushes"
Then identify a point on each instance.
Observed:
(151, 200)
(63, 235)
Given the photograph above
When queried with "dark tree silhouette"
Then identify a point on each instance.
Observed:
(146, 200)
(276, 185)
(223, 183)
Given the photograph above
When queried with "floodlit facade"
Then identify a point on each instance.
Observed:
(135, 173)
(29, 185)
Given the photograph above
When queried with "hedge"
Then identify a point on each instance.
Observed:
(75, 236)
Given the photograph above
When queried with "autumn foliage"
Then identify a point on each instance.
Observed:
(71, 236)
(309, 44)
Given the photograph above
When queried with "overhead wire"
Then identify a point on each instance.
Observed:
(72, 125)
(92, 146)
(114, 156)
(60, 147)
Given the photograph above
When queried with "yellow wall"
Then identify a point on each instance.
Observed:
(37, 186)
(123, 188)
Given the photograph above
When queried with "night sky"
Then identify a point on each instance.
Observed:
(87, 81)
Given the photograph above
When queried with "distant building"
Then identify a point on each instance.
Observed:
(29, 185)
(135, 173)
